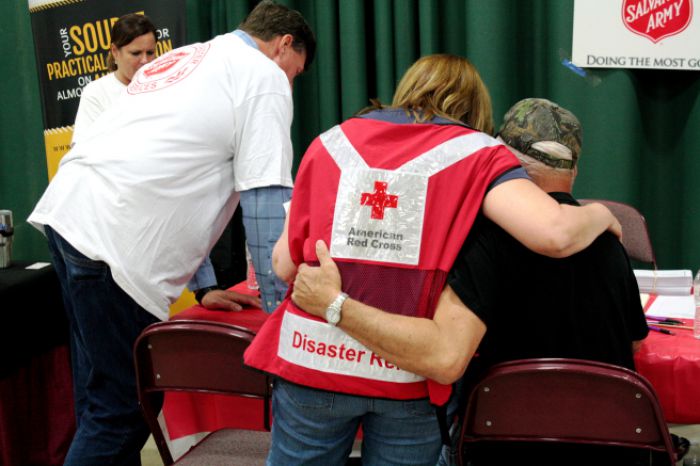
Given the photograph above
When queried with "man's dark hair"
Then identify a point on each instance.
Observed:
(269, 19)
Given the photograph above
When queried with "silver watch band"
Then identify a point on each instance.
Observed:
(333, 310)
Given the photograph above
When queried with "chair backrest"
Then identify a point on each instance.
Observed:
(565, 401)
(635, 234)
(200, 356)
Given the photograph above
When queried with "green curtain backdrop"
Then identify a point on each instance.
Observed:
(641, 127)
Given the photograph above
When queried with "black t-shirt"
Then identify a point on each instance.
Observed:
(585, 306)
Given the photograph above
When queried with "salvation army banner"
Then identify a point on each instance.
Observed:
(636, 34)
(71, 40)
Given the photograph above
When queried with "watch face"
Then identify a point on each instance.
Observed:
(332, 316)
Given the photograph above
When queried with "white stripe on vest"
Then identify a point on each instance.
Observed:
(379, 213)
(321, 346)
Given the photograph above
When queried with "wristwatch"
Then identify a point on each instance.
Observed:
(199, 294)
(333, 311)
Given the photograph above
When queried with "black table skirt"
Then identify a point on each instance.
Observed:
(36, 403)
(32, 316)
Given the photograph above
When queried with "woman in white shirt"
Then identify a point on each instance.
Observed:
(133, 45)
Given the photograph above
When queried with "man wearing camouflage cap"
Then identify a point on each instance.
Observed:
(544, 131)
(585, 306)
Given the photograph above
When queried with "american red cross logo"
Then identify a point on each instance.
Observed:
(379, 200)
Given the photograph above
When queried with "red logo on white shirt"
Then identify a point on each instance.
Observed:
(168, 69)
(164, 65)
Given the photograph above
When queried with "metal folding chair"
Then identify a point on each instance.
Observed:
(561, 403)
(203, 357)
(635, 234)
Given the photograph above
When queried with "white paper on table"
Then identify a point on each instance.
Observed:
(37, 265)
(664, 282)
(682, 307)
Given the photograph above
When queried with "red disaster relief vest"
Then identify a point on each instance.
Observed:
(395, 203)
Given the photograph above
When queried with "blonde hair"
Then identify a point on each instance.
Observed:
(448, 86)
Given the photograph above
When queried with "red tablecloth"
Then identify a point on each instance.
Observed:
(188, 413)
(672, 364)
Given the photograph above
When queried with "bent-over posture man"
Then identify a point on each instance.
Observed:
(139, 201)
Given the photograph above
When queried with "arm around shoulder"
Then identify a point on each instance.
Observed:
(438, 348)
(540, 223)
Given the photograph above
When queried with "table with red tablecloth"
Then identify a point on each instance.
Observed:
(672, 364)
(190, 413)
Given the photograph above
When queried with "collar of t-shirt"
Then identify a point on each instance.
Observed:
(399, 115)
(247, 38)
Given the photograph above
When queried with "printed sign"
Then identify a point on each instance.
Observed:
(658, 19)
(636, 34)
(379, 216)
(72, 40)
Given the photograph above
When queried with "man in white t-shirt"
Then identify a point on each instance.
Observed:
(137, 204)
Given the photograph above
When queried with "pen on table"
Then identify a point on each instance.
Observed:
(662, 324)
(664, 319)
(661, 330)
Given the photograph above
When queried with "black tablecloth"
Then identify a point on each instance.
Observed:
(32, 314)
(36, 403)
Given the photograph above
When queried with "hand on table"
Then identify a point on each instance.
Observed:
(316, 287)
(224, 300)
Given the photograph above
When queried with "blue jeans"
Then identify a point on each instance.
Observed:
(315, 427)
(104, 324)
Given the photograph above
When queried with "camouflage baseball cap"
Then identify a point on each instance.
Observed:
(532, 121)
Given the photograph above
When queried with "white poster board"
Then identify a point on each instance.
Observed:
(636, 34)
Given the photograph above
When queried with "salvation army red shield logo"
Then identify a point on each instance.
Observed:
(168, 69)
(657, 19)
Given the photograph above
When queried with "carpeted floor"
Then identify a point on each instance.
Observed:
(150, 456)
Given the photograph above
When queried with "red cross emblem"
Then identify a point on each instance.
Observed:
(379, 200)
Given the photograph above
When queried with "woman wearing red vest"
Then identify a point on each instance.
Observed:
(394, 192)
